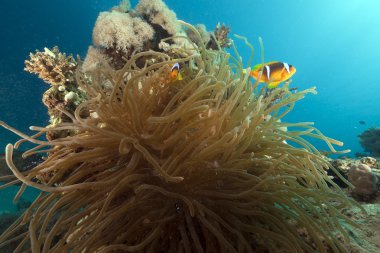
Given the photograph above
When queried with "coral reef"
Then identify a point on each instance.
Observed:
(52, 66)
(58, 70)
(124, 6)
(200, 164)
(343, 164)
(369, 161)
(366, 236)
(364, 181)
(122, 32)
(363, 173)
(94, 57)
(201, 28)
(370, 141)
(156, 12)
(220, 37)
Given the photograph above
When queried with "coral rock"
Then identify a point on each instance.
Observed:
(365, 182)
(370, 161)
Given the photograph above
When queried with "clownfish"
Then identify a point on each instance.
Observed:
(174, 73)
(274, 73)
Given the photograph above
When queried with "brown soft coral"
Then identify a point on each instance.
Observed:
(158, 13)
(124, 6)
(220, 37)
(52, 66)
(121, 31)
(205, 35)
(93, 58)
(116, 36)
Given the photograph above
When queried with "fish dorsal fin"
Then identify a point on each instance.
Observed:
(287, 67)
(175, 66)
(271, 62)
(268, 71)
(257, 66)
(260, 65)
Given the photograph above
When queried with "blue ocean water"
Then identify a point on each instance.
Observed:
(333, 44)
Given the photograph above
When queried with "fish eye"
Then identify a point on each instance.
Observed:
(178, 207)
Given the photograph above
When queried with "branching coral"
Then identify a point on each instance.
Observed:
(58, 70)
(52, 66)
(189, 166)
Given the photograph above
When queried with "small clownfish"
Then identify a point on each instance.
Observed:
(274, 73)
(174, 73)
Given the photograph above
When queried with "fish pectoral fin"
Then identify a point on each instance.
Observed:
(272, 85)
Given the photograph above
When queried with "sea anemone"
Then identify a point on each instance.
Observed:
(194, 165)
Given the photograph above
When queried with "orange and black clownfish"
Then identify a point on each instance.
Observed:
(274, 73)
(174, 73)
